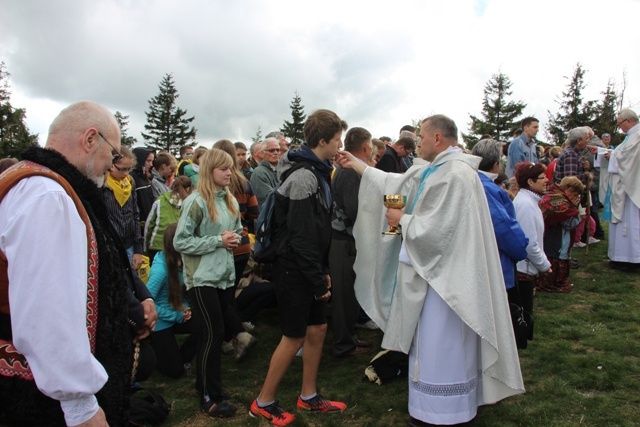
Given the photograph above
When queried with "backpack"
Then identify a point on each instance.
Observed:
(147, 407)
(264, 250)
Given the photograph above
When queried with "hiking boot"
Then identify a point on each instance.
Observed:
(320, 404)
(274, 414)
(221, 409)
(244, 341)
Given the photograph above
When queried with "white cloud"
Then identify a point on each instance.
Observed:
(377, 64)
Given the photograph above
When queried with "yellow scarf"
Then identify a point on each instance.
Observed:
(121, 189)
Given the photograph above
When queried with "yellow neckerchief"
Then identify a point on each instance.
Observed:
(121, 188)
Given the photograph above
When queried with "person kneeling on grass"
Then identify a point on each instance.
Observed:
(174, 314)
(303, 236)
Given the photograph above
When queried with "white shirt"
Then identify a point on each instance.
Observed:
(44, 240)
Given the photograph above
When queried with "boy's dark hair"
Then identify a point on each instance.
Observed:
(355, 138)
(406, 140)
(183, 149)
(161, 159)
(322, 124)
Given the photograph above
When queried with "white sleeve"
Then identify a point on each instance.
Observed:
(526, 217)
(613, 163)
(44, 240)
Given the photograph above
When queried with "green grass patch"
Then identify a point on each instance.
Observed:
(582, 369)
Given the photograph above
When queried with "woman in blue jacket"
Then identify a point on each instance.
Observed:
(174, 314)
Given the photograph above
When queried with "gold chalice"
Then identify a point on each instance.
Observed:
(394, 201)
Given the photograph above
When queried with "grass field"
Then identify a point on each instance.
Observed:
(582, 369)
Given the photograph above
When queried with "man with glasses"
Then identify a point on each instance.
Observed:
(264, 178)
(622, 201)
(391, 161)
(67, 348)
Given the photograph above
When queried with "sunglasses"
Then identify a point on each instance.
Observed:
(273, 150)
(115, 154)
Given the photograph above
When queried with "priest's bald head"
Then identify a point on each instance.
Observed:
(437, 133)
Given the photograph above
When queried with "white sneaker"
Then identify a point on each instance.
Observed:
(369, 324)
(593, 240)
(244, 341)
(248, 326)
(579, 245)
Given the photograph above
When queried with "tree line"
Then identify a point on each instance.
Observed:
(501, 117)
(168, 126)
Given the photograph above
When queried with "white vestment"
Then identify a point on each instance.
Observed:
(623, 185)
(454, 278)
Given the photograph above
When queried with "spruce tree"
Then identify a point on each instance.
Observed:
(295, 129)
(167, 126)
(123, 123)
(499, 115)
(605, 113)
(258, 137)
(574, 111)
(14, 133)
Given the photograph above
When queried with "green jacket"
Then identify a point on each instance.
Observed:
(199, 240)
(165, 211)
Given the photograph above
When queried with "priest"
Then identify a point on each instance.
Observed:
(621, 187)
(438, 291)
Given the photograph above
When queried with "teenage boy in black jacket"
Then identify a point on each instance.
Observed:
(303, 236)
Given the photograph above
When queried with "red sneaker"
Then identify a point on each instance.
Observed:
(274, 414)
(320, 404)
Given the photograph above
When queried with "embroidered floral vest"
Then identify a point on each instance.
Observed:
(12, 363)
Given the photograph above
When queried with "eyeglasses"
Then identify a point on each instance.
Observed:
(115, 154)
(273, 150)
(540, 177)
(622, 122)
(123, 169)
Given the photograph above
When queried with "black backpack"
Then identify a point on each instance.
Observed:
(264, 251)
(147, 407)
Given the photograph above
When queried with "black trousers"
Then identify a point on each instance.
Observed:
(344, 305)
(522, 294)
(170, 358)
(214, 313)
(254, 298)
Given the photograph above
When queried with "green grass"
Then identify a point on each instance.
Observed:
(582, 369)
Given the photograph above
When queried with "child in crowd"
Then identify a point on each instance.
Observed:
(165, 211)
(174, 315)
(208, 231)
(119, 195)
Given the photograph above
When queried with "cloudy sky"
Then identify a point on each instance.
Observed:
(378, 64)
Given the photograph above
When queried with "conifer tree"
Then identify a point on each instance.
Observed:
(574, 111)
(499, 115)
(123, 123)
(605, 112)
(14, 133)
(295, 129)
(167, 126)
(258, 137)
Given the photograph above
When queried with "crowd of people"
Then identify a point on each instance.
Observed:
(97, 211)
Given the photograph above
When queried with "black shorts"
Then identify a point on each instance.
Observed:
(297, 305)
